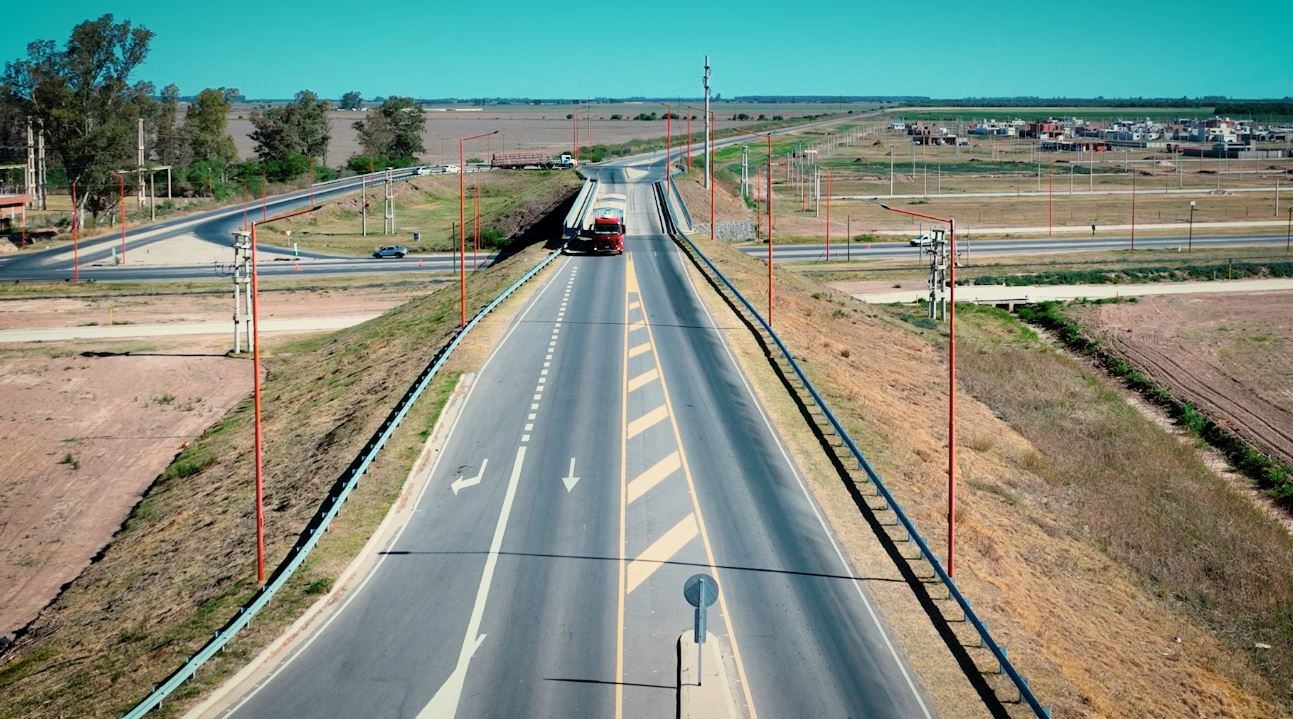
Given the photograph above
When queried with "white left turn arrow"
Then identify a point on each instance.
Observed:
(462, 483)
(570, 480)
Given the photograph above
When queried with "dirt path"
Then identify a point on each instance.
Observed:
(80, 439)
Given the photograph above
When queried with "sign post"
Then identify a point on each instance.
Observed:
(700, 591)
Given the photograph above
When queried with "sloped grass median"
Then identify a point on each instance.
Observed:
(184, 561)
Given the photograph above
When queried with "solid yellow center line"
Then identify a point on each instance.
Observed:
(646, 421)
(639, 349)
(661, 551)
(643, 483)
(643, 379)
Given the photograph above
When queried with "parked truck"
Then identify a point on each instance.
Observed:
(523, 160)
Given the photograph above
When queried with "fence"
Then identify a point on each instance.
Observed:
(1021, 683)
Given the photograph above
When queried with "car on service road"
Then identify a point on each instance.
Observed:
(390, 251)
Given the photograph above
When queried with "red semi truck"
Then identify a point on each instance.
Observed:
(608, 231)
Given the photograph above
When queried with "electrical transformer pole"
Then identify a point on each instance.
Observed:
(709, 130)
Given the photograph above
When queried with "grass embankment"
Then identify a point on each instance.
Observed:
(1273, 477)
(1124, 577)
(183, 562)
(1152, 273)
(429, 206)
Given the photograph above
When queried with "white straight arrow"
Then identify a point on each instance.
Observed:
(570, 480)
(462, 483)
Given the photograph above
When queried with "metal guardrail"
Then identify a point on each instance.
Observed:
(1021, 683)
(678, 203)
(310, 536)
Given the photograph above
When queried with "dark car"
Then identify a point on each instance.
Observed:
(390, 251)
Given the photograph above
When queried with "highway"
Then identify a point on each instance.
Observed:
(608, 449)
(859, 251)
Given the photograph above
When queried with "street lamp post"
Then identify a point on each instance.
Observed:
(768, 137)
(951, 383)
(462, 229)
(1190, 246)
(255, 383)
(668, 138)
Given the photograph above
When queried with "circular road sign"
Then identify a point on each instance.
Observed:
(700, 590)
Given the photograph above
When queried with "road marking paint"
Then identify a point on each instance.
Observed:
(637, 325)
(639, 349)
(462, 483)
(525, 438)
(643, 379)
(661, 551)
(704, 533)
(445, 702)
(538, 397)
(821, 520)
(547, 363)
(541, 381)
(634, 305)
(543, 373)
(531, 416)
(534, 406)
(643, 483)
(570, 480)
(646, 421)
(630, 285)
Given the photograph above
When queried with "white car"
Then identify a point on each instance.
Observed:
(924, 239)
(424, 171)
(450, 169)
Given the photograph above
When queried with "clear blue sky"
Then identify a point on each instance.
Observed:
(271, 48)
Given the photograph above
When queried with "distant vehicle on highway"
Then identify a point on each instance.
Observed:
(424, 171)
(522, 160)
(390, 251)
(924, 239)
(450, 169)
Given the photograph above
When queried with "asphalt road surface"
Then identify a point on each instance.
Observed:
(858, 251)
(609, 449)
(216, 227)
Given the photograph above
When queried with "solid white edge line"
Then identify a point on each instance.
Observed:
(300, 648)
(785, 455)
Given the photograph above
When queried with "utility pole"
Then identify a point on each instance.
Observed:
(42, 186)
(709, 130)
(29, 176)
(388, 215)
(745, 171)
(139, 163)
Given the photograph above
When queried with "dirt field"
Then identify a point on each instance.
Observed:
(526, 127)
(1230, 356)
(85, 435)
(82, 438)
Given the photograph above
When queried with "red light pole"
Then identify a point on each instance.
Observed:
(951, 384)
(255, 383)
(121, 182)
(767, 135)
(668, 137)
(689, 138)
(828, 217)
(709, 158)
(76, 215)
(462, 230)
(475, 246)
(574, 133)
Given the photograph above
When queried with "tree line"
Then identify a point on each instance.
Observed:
(85, 97)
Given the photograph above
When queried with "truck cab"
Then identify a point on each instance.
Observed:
(608, 233)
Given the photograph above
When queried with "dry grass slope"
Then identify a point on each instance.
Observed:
(1091, 617)
(183, 562)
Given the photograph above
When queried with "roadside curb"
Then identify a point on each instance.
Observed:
(713, 696)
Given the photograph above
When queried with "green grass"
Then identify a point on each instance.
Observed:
(1152, 273)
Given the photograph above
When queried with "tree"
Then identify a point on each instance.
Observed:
(205, 124)
(169, 145)
(83, 96)
(298, 128)
(393, 130)
(351, 101)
